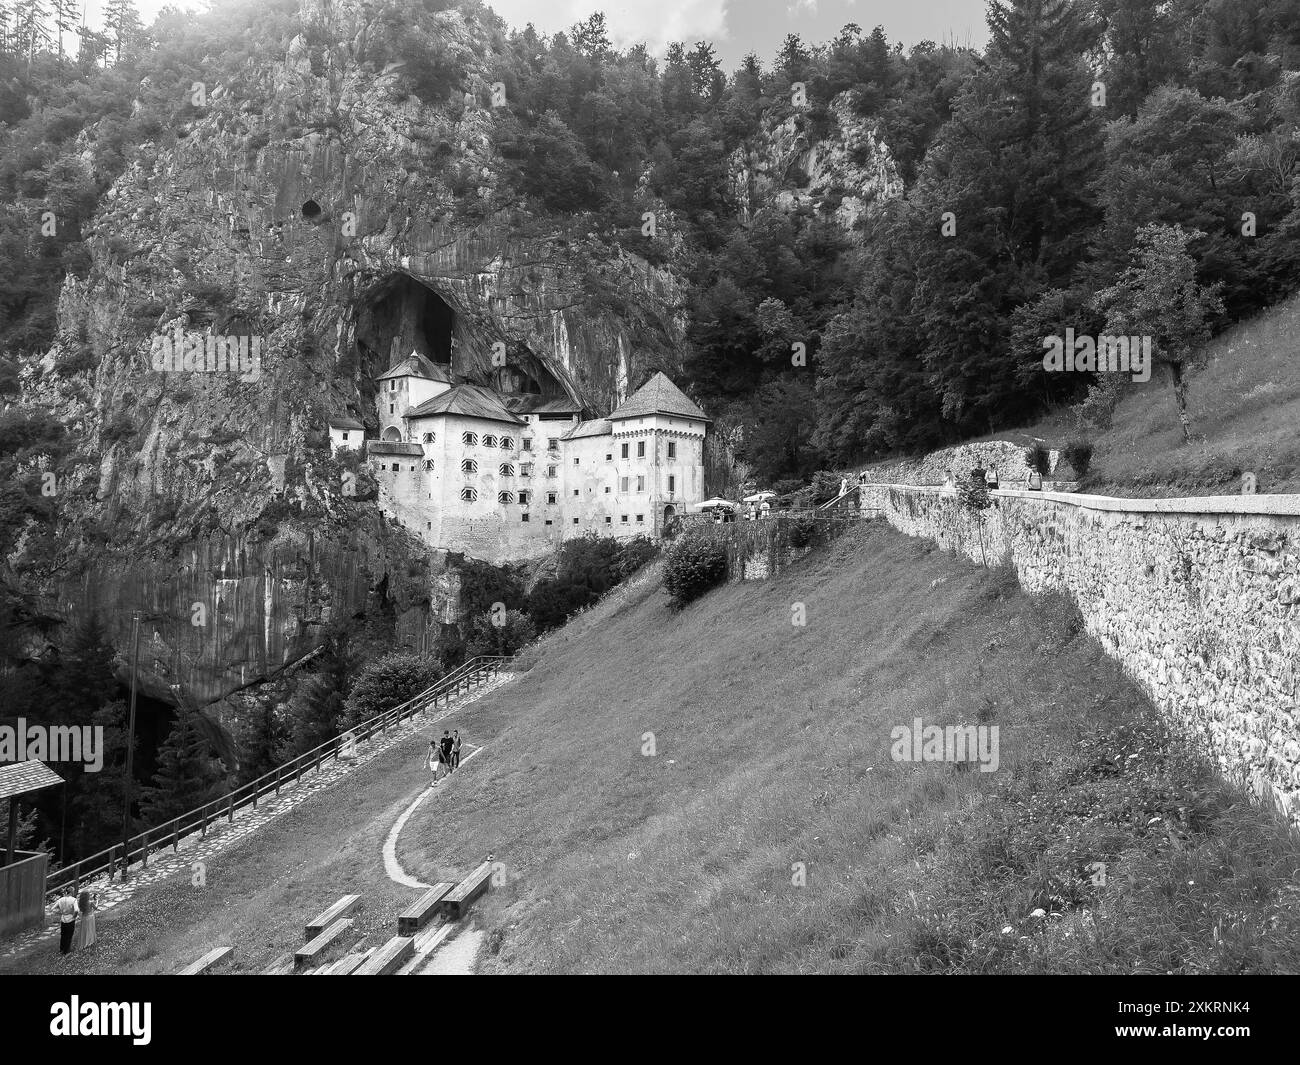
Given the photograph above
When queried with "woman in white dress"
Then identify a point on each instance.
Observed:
(84, 936)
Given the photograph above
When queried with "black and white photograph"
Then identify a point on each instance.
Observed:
(682, 487)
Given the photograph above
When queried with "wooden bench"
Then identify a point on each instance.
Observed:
(347, 965)
(206, 962)
(315, 950)
(388, 958)
(423, 910)
(459, 899)
(342, 908)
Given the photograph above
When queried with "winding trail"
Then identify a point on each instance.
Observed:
(391, 865)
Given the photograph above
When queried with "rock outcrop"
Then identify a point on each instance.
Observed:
(847, 172)
(314, 203)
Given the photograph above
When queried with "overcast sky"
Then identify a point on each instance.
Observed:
(734, 26)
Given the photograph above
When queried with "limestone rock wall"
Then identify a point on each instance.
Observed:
(1198, 599)
(848, 172)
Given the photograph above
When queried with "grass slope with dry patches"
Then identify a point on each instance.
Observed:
(772, 748)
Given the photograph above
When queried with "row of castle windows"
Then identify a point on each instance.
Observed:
(552, 444)
(526, 470)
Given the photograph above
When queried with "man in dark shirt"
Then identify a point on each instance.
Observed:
(446, 747)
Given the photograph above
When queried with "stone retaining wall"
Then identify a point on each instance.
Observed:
(1198, 599)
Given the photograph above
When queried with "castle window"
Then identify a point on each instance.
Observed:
(640, 484)
(506, 470)
(428, 438)
(575, 521)
(623, 520)
(672, 449)
(507, 443)
(640, 449)
(505, 497)
(575, 491)
(390, 408)
(552, 443)
(549, 522)
(428, 464)
(609, 457)
(551, 471)
(607, 489)
(469, 438)
(489, 441)
(526, 470)
(394, 467)
(640, 519)
(528, 443)
(469, 495)
(345, 434)
(523, 516)
(575, 460)
(392, 385)
(672, 484)
(523, 498)
(624, 455)
(551, 498)
(468, 466)
(609, 520)
(622, 485)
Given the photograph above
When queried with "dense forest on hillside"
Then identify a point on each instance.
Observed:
(1081, 123)
(1105, 165)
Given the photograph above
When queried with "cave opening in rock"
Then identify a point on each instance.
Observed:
(399, 316)
(311, 210)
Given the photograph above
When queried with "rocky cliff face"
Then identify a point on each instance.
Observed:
(846, 172)
(315, 204)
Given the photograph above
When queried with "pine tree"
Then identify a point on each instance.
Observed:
(122, 23)
(186, 777)
(65, 20)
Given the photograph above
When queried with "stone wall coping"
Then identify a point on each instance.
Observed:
(1262, 505)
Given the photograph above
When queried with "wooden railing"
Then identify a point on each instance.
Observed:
(469, 675)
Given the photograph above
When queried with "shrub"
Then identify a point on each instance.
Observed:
(1038, 458)
(826, 486)
(383, 684)
(1078, 453)
(634, 554)
(694, 566)
(500, 633)
(801, 532)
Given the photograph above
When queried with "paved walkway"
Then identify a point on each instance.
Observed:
(223, 835)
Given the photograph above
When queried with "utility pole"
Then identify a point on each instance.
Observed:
(130, 746)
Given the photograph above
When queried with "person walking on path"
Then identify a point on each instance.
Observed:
(455, 751)
(435, 764)
(67, 910)
(84, 936)
(446, 749)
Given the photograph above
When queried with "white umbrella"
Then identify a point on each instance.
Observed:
(710, 504)
(758, 497)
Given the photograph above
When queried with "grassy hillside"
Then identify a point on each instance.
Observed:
(771, 748)
(1244, 402)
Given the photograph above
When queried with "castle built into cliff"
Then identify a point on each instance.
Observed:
(509, 476)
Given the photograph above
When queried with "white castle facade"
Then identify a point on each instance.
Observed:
(509, 476)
